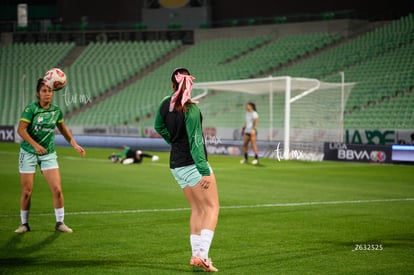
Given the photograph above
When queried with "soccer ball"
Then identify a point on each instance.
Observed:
(55, 78)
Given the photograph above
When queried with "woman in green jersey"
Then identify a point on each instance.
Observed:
(36, 127)
(179, 122)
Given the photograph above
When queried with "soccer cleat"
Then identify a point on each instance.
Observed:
(205, 264)
(243, 161)
(61, 227)
(255, 162)
(23, 228)
(155, 158)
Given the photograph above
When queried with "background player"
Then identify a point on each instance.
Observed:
(249, 131)
(129, 156)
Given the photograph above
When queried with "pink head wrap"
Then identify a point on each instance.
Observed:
(181, 78)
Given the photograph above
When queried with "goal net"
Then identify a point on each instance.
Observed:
(296, 114)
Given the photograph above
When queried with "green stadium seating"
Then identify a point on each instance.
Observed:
(21, 66)
(219, 59)
(379, 62)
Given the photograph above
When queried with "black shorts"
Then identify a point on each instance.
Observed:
(248, 134)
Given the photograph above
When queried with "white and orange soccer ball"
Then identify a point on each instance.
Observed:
(55, 78)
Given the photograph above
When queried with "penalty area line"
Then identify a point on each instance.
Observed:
(267, 205)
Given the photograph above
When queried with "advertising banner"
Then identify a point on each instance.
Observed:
(357, 153)
(362, 136)
(403, 153)
(7, 133)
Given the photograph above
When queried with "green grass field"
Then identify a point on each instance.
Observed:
(284, 217)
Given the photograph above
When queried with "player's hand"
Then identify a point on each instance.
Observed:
(80, 150)
(242, 130)
(205, 182)
(40, 150)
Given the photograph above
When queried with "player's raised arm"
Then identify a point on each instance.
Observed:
(69, 138)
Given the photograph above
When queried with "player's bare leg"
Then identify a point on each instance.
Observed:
(26, 181)
(53, 179)
(204, 216)
(246, 140)
(254, 146)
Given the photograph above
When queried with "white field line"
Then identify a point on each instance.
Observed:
(267, 205)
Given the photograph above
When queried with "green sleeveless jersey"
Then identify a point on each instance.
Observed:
(42, 124)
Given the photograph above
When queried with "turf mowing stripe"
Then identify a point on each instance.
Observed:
(292, 204)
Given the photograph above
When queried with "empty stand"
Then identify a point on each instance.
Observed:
(21, 66)
(379, 61)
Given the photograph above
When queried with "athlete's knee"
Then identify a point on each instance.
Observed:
(57, 192)
(27, 193)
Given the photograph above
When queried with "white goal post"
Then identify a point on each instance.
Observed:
(294, 89)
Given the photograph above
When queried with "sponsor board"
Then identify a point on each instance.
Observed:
(357, 153)
(223, 149)
(403, 153)
(7, 134)
(111, 131)
(378, 137)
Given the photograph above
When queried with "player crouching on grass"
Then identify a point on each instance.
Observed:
(36, 127)
(129, 156)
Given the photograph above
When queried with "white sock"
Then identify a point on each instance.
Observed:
(195, 244)
(60, 214)
(205, 242)
(24, 216)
